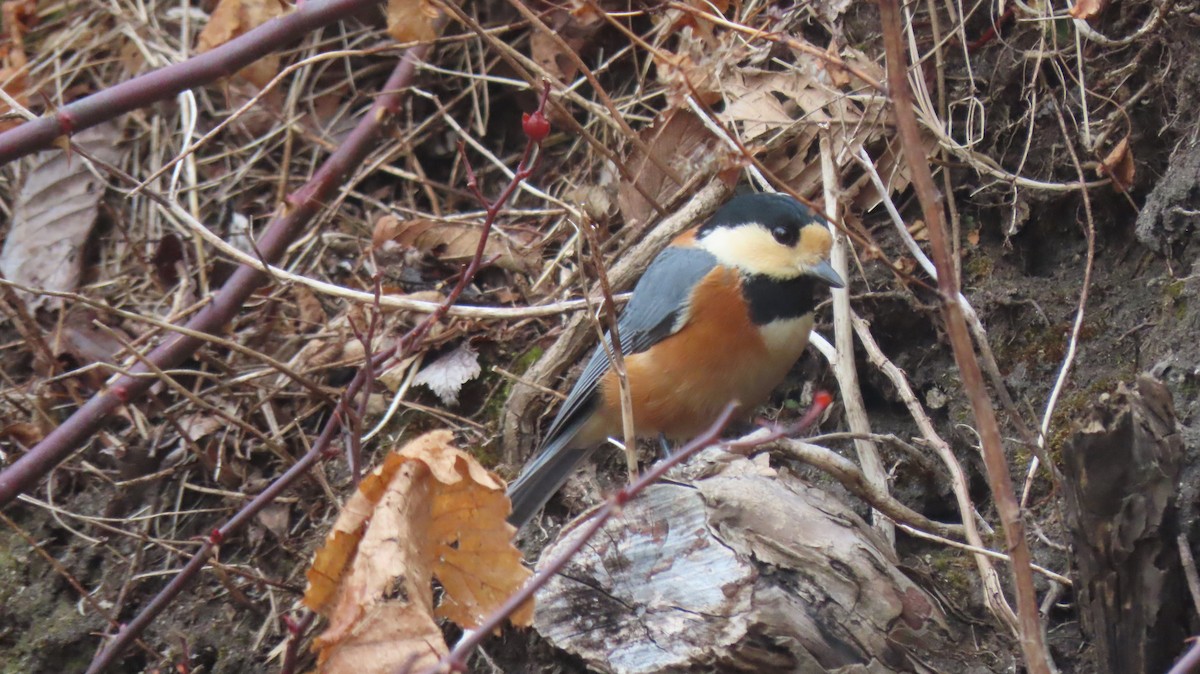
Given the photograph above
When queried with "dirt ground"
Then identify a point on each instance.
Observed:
(109, 527)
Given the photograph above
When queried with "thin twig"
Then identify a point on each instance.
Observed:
(1036, 656)
(165, 83)
(612, 346)
(455, 660)
(305, 203)
(851, 477)
(843, 334)
(79, 426)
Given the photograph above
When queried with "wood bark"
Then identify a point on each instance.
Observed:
(1120, 482)
(745, 570)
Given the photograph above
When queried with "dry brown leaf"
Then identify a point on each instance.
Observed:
(312, 313)
(429, 511)
(449, 242)
(576, 23)
(446, 375)
(23, 433)
(1086, 9)
(412, 20)
(54, 215)
(1119, 166)
(232, 18)
(680, 141)
(695, 70)
(18, 17)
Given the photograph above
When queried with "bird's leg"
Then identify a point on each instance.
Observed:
(664, 446)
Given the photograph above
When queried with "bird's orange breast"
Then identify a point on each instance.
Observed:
(680, 385)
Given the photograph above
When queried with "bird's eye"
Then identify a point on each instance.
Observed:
(786, 236)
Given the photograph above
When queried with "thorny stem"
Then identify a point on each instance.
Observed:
(455, 660)
(296, 632)
(165, 83)
(388, 102)
(1033, 646)
(76, 429)
(283, 229)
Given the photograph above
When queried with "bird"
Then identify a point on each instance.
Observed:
(720, 315)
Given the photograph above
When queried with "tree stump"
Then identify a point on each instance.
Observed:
(745, 570)
(1120, 483)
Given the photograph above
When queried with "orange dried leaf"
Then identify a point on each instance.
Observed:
(449, 241)
(1086, 9)
(412, 20)
(18, 17)
(1119, 166)
(429, 511)
(232, 18)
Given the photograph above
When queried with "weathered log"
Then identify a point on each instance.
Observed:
(1121, 469)
(746, 570)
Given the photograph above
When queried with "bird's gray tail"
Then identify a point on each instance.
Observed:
(542, 478)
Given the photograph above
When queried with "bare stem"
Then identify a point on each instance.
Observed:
(1037, 658)
(165, 83)
(455, 660)
(283, 229)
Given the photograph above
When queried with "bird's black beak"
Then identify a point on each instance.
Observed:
(825, 272)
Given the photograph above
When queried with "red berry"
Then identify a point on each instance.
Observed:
(536, 126)
(822, 399)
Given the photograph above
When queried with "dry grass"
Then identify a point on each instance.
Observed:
(628, 149)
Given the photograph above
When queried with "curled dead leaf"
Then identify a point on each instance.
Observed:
(412, 20)
(1118, 165)
(1086, 9)
(232, 18)
(428, 511)
(54, 215)
(446, 375)
(450, 242)
(679, 140)
(576, 23)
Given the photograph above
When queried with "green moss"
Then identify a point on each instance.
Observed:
(1072, 405)
(493, 409)
(1175, 299)
(979, 268)
(952, 569)
(1034, 348)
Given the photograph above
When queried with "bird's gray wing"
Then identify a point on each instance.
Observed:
(660, 299)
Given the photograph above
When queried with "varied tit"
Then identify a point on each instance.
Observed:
(720, 315)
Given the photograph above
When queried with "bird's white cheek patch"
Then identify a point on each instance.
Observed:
(786, 339)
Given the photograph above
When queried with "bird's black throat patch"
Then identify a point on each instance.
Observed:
(770, 299)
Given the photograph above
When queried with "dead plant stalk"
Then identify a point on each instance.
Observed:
(843, 335)
(358, 142)
(1033, 647)
(455, 660)
(612, 346)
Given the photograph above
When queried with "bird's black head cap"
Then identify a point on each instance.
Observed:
(780, 214)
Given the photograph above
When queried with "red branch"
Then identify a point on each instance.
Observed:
(228, 301)
(389, 102)
(164, 83)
